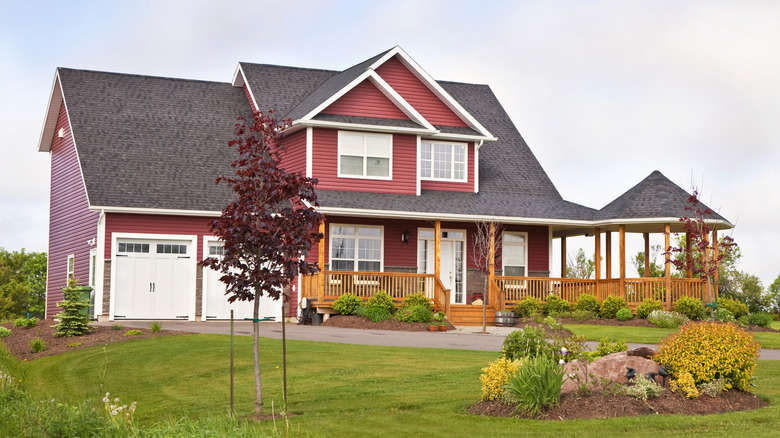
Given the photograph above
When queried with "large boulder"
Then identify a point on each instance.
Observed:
(612, 367)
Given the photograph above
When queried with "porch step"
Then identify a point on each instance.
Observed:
(471, 315)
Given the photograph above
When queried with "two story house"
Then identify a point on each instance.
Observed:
(407, 166)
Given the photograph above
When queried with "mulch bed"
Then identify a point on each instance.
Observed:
(18, 343)
(357, 322)
(599, 405)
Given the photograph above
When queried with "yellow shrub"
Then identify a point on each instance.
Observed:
(707, 350)
(685, 385)
(496, 375)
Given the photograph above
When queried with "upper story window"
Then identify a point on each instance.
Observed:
(365, 155)
(443, 161)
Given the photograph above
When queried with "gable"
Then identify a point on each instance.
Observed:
(419, 96)
(365, 100)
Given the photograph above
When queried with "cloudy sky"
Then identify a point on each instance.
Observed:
(604, 92)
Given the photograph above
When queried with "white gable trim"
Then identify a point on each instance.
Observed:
(239, 80)
(433, 86)
(52, 113)
(359, 127)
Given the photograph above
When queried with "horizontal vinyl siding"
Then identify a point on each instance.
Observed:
(365, 100)
(325, 166)
(294, 156)
(71, 224)
(151, 224)
(453, 186)
(419, 96)
(249, 98)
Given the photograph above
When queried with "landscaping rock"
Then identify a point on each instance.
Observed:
(645, 352)
(611, 367)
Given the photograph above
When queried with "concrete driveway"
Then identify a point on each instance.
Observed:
(464, 338)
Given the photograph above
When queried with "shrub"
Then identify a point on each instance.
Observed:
(607, 347)
(643, 388)
(25, 322)
(583, 315)
(568, 349)
(737, 308)
(526, 342)
(646, 307)
(374, 313)
(760, 319)
(73, 318)
(553, 323)
(685, 385)
(708, 350)
(116, 326)
(347, 304)
(496, 375)
(417, 313)
(667, 319)
(690, 307)
(713, 388)
(74, 344)
(610, 306)
(133, 333)
(417, 300)
(723, 315)
(528, 306)
(382, 299)
(37, 345)
(4, 332)
(624, 314)
(536, 385)
(156, 327)
(556, 305)
(587, 303)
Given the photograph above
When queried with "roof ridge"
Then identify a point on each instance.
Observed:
(288, 66)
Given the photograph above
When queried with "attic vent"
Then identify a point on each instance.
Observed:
(61, 133)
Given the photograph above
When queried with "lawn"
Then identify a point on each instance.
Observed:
(650, 335)
(338, 389)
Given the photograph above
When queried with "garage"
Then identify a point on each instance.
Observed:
(215, 302)
(154, 279)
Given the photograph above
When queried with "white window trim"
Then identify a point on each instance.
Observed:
(93, 268)
(365, 161)
(503, 260)
(356, 260)
(70, 273)
(452, 163)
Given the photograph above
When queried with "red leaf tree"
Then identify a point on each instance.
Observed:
(268, 227)
(698, 227)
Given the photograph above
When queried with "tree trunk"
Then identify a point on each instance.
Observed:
(256, 354)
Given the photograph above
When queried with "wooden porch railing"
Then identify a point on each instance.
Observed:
(442, 298)
(365, 284)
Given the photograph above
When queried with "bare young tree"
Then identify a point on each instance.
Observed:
(488, 235)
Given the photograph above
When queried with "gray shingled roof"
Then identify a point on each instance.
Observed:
(368, 121)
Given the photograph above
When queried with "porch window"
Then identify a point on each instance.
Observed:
(514, 254)
(443, 161)
(365, 155)
(355, 248)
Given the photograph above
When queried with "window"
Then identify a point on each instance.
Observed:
(355, 248)
(71, 266)
(134, 247)
(92, 267)
(165, 248)
(365, 155)
(216, 250)
(513, 254)
(443, 161)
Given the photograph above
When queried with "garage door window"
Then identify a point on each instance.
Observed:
(134, 247)
(165, 248)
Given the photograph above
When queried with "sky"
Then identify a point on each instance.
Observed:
(604, 92)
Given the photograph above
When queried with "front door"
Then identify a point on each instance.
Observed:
(451, 268)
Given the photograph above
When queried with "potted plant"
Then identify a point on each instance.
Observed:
(505, 318)
(438, 321)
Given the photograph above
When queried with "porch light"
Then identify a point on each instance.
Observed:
(405, 237)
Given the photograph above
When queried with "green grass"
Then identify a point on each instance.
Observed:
(650, 335)
(337, 389)
(775, 325)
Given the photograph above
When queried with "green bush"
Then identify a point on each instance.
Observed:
(643, 388)
(556, 306)
(73, 318)
(708, 350)
(667, 319)
(646, 307)
(374, 313)
(607, 347)
(528, 306)
(37, 345)
(133, 333)
(4, 332)
(537, 385)
(737, 308)
(417, 300)
(156, 327)
(495, 376)
(347, 304)
(25, 322)
(624, 314)
(587, 303)
(417, 313)
(583, 315)
(526, 342)
(610, 306)
(760, 319)
(723, 315)
(382, 299)
(690, 307)
(116, 326)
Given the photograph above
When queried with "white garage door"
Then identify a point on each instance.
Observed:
(215, 302)
(153, 279)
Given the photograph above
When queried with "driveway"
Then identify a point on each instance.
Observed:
(464, 338)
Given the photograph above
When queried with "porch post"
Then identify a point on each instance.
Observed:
(492, 266)
(705, 257)
(597, 256)
(563, 256)
(437, 258)
(668, 266)
(622, 269)
(647, 254)
(715, 259)
(609, 254)
(321, 263)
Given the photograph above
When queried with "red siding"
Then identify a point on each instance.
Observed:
(294, 157)
(151, 224)
(467, 186)
(365, 100)
(71, 224)
(417, 94)
(249, 98)
(325, 166)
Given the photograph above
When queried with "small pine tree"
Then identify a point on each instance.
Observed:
(73, 319)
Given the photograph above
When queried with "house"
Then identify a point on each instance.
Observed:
(407, 165)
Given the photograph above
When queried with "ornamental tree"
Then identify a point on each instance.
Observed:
(704, 258)
(270, 226)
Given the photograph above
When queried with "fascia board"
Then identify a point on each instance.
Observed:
(464, 137)
(362, 127)
(157, 211)
(238, 77)
(52, 113)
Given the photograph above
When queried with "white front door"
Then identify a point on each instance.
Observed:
(451, 267)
